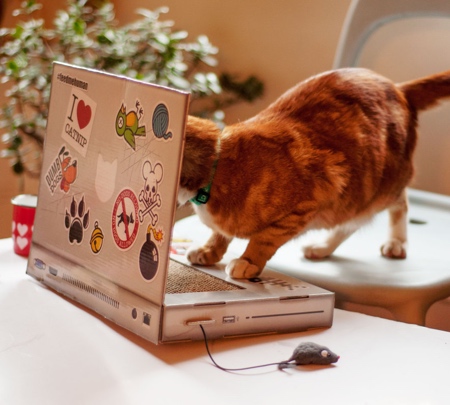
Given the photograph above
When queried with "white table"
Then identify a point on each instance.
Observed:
(53, 351)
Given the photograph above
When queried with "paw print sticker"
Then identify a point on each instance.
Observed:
(77, 220)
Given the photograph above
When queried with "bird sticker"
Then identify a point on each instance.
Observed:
(127, 124)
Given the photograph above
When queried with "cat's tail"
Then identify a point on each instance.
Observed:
(426, 92)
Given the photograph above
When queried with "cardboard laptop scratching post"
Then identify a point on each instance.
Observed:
(106, 205)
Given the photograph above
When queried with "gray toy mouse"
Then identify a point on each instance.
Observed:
(310, 353)
(304, 353)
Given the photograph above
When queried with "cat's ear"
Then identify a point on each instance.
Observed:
(201, 128)
(199, 152)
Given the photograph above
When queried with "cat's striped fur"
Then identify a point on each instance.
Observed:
(329, 153)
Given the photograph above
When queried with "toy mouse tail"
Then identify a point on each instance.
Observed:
(285, 364)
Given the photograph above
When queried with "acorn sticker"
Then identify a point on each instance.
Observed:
(96, 239)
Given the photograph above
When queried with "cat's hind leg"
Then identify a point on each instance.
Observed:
(335, 237)
(211, 252)
(395, 247)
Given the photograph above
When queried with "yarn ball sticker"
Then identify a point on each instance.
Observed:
(160, 122)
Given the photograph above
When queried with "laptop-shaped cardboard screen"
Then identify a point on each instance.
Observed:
(110, 172)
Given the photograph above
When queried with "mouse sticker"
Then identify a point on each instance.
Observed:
(128, 124)
(149, 195)
(79, 121)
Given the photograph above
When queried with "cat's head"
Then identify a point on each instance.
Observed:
(200, 152)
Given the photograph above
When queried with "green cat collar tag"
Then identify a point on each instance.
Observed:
(203, 194)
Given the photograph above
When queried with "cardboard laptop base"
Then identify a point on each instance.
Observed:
(102, 231)
(271, 303)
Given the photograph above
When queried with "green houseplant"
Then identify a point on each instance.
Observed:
(86, 35)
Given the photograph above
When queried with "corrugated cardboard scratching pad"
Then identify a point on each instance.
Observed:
(184, 279)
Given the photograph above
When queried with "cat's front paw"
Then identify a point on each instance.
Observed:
(317, 251)
(394, 249)
(203, 256)
(241, 268)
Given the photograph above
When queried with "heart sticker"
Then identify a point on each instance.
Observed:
(84, 113)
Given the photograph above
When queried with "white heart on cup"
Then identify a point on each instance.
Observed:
(22, 229)
(22, 242)
(13, 226)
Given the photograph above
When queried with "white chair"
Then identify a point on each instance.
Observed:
(356, 272)
(367, 16)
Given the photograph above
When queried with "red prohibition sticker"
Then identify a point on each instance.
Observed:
(124, 215)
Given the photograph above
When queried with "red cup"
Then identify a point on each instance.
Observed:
(24, 209)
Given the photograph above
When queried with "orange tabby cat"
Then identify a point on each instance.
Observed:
(329, 153)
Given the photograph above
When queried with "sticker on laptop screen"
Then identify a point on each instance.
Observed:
(79, 121)
(160, 122)
(149, 195)
(76, 220)
(96, 238)
(62, 172)
(149, 254)
(125, 224)
(105, 178)
(129, 123)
